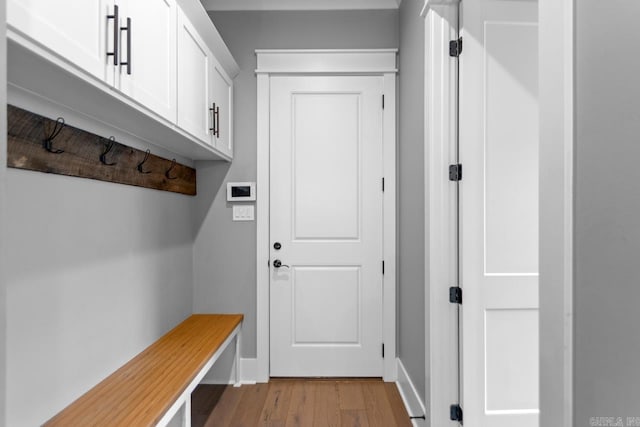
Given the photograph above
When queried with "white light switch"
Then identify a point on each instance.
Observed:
(243, 213)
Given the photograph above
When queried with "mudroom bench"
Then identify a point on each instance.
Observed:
(154, 386)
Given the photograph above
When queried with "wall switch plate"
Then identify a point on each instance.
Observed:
(243, 213)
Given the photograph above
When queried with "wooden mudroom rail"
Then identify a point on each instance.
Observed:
(41, 144)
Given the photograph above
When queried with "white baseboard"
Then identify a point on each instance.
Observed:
(410, 397)
(224, 371)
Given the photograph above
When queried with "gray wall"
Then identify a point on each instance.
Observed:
(224, 251)
(552, 200)
(411, 181)
(3, 162)
(95, 273)
(607, 214)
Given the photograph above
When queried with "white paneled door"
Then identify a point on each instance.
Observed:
(499, 212)
(326, 228)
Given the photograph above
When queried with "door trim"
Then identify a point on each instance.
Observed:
(379, 62)
(440, 102)
(440, 132)
(557, 119)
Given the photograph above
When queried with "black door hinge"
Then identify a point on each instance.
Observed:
(455, 413)
(455, 295)
(382, 267)
(455, 172)
(383, 102)
(383, 351)
(383, 185)
(455, 47)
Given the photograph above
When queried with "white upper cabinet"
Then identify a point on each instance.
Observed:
(78, 37)
(204, 91)
(156, 60)
(194, 68)
(222, 101)
(147, 69)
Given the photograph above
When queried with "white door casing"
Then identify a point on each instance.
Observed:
(441, 77)
(326, 212)
(499, 212)
(272, 63)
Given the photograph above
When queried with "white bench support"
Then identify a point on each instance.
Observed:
(184, 401)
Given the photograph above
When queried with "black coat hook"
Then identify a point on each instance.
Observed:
(107, 148)
(168, 172)
(47, 143)
(146, 157)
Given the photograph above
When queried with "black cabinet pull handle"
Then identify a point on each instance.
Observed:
(115, 34)
(213, 118)
(216, 114)
(128, 30)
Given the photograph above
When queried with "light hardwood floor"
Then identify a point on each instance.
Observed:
(300, 402)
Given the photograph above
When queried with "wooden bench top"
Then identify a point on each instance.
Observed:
(141, 391)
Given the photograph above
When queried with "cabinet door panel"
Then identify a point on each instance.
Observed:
(222, 96)
(152, 81)
(194, 67)
(74, 30)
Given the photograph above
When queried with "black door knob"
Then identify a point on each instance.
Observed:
(277, 264)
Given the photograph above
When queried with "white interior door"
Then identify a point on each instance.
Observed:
(499, 212)
(326, 214)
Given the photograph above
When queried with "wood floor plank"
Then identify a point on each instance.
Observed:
(327, 408)
(204, 399)
(350, 394)
(306, 403)
(302, 404)
(225, 409)
(400, 413)
(247, 413)
(354, 418)
(378, 407)
(276, 405)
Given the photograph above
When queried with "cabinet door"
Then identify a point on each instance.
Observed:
(77, 31)
(147, 72)
(222, 96)
(194, 67)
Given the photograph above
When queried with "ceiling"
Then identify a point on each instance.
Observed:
(299, 4)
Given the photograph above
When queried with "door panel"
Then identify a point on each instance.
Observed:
(321, 290)
(326, 211)
(327, 208)
(511, 152)
(499, 212)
